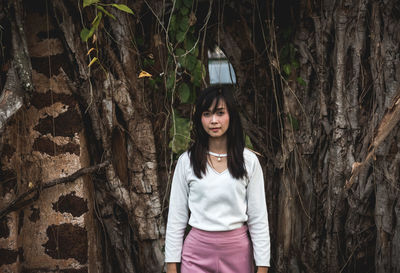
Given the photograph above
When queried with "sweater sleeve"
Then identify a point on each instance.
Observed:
(258, 215)
(178, 213)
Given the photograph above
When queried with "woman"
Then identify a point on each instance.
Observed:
(217, 188)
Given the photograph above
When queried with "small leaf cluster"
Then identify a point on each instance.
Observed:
(101, 9)
(181, 20)
(180, 133)
(185, 49)
(287, 57)
(186, 70)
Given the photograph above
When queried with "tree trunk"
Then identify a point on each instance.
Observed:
(80, 116)
(329, 106)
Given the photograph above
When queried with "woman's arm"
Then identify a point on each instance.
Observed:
(172, 268)
(178, 213)
(262, 269)
(257, 215)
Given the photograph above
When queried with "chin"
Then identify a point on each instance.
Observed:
(216, 135)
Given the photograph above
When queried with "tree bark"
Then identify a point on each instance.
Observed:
(325, 124)
(118, 129)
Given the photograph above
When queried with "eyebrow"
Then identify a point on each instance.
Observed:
(215, 109)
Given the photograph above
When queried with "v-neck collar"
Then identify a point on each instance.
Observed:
(215, 171)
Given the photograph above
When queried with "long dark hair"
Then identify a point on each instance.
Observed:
(235, 138)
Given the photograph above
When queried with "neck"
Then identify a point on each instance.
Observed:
(218, 145)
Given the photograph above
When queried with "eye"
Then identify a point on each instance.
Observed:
(206, 114)
(221, 113)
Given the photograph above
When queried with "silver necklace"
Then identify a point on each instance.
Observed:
(218, 156)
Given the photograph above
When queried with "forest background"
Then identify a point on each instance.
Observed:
(96, 101)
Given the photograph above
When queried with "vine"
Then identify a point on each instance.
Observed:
(288, 57)
(2, 47)
(185, 68)
(100, 8)
(184, 72)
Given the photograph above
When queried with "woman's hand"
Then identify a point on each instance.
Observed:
(172, 268)
(262, 269)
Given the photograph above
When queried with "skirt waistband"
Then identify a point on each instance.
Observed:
(217, 235)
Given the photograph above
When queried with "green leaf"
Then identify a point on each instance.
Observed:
(123, 8)
(170, 60)
(172, 25)
(301, 81)
(196, 51)
(180, 36)
(189, 43)
(294, 122)
(198, 72)
(191, 62)
(179, 52)
(192, 99)
(170, 81)
(196, 79)
(106, 12)
(91, 32)
(96, 21)
(184, 92)
(181, 139)
(184, 11)
(178, 4)
(89, 2)
(95, 59)
(139, 40)
(295, 64)
(148, 62)
(287, 69)
(181, 58)
(248, 142)
(184, 24)
(203, 70)
(188, 3)
(85, 34)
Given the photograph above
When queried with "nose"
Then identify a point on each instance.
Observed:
(214, 118)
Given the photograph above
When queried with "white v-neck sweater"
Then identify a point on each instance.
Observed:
(218, 202)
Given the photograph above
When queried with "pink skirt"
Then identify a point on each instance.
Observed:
(217, 252)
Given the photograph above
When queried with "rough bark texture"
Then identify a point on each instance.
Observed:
(79, 116)
(320, 100)
(52, 227)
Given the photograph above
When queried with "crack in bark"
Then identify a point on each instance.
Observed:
(19, 76)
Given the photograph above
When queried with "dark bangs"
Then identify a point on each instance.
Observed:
(208, 101)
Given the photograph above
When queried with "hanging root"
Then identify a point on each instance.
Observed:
(388, 123)
(21, 200)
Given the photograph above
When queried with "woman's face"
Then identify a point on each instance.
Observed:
(216, 122)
